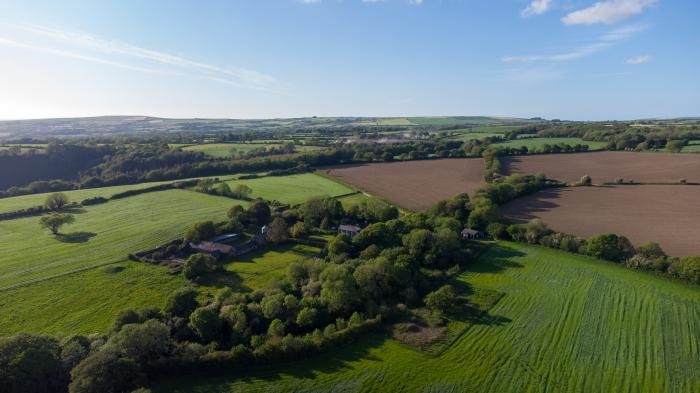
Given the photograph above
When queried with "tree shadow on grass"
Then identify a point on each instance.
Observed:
(332, 360)
(74, 210)
(75, 237)
(222, 278)
(496, 259)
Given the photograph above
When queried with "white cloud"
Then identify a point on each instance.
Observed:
(536, 7)
(605, 41)
(639, 59)
(609, 11)
(415, 2)
(128, 54)
(310, 1)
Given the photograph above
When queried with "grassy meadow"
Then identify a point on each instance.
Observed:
(536, 143)
(102, 233)
(85, 302)
(293, 189)
(566, 323)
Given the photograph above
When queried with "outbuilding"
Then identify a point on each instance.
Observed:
(471, 234)
(350, 230)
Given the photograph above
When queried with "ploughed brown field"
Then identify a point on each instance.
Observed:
(606, 166)
(414, 185)
(668, 215)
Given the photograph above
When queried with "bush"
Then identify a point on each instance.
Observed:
(182, 302)
(442, 300)
(585, 181)
(106, 372)
(197, 265)
(496, 230)
(207, 324)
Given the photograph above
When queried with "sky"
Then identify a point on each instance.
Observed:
(565, 59)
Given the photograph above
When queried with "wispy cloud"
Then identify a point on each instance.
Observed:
(310, 1)
(605, 41)
(639, 59)
(415, 2)
(536, 7)
(609, 11)
(86, 47)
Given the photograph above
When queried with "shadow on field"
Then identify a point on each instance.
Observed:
(524, 209)
(222, 278)
(75, 237)
(496, 259)
(74, 210)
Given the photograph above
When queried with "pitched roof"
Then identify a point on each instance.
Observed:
(469, 231)
(349, 228)
(212, 247)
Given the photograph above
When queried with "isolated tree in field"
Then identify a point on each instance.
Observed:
(56, 201)
(55, 221)
(442, 300)
(198, 264)
(278, 231)
(242, 191)
(585, 181)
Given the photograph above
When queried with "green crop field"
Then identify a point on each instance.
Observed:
(102, 233)
(85, 302)
(293, 189)
(536, 143)
(566, 323)
(223, 150)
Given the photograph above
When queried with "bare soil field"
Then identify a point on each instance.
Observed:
(606, 166)
(668, 215)
(414, 185)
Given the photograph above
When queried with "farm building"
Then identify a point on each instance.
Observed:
(216, 250)
(468, 233)
(350, 230)
(225, 238)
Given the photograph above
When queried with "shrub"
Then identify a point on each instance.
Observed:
(206, 323)
(197, 265)
(182, 302)
(442, 300)
(585, 181)
(106, 372)
(56, 201)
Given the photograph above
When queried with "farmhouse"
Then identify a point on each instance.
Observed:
(350, 230)
(468, 233)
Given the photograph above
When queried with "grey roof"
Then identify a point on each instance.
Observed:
(225, 237)
(349, 228)
(469, 231)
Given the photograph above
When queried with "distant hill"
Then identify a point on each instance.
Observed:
(128, 125)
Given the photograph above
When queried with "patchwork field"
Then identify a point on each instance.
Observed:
(534, 144)
(293, 189)
(609, 165)
(414, 185)
(102, 233)
(567, 323)
(668, 215)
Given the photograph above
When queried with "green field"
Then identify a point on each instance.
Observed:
(293, 189)
(85, 302)
(471, 135)
(536, 143)
(102, 233)
(566, 323)
(254, 270)
(692, 147)
(223, 150)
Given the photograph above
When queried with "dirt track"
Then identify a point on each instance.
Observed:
(607, 166)
(668, 215)
(414, 185)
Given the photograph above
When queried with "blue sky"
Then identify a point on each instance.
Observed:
(569, 59)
